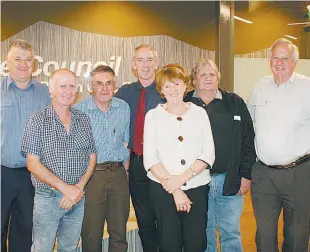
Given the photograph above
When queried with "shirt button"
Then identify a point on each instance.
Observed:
(179, 118)
(183, 162)
(180, 138)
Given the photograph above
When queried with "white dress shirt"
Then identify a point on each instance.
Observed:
(162, 144)
(281, 118)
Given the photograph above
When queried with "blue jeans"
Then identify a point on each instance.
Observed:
(223, 214)
(49, 219)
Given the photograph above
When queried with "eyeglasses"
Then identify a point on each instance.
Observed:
(107, 84)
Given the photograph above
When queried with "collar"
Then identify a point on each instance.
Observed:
(218, 94)
(140, 86)
(50, 112)
(289, 81)
(114, 103)
(10, 81)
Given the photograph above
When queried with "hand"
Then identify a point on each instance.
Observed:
(73, 193)
(172, 182)
(65, 203)
(182, 202)
(245, 186)
(80, 185)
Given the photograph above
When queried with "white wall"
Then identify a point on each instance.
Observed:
(249, 71)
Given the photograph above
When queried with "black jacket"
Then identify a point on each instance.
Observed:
(244, 155)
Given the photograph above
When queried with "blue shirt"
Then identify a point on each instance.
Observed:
(64, 154)
(110, 129)
(17, 106)
(130, 93)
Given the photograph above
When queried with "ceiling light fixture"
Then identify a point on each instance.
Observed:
(288, 36)
(243, 20)
(303, 23)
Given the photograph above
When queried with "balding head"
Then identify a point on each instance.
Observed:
(63, 87)
(60, 73)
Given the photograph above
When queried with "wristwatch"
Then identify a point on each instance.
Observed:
(193, 172)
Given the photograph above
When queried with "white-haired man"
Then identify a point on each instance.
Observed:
(280, 108)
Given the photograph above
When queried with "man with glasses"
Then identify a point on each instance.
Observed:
(21, 96)
(107, 193)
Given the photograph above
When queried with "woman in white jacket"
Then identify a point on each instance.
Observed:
(178, 153)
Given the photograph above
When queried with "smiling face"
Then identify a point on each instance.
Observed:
(206, 79)
(173, 90)
(20, 64)
(63, 88)
(103, 84)
(145, 63)
(282, 63)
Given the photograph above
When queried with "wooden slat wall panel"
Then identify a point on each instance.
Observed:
(264, 53)
(60, 44)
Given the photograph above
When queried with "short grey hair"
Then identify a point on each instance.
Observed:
(134, 71)
(294, 49)
(200, 64)
(102, 69)
(148, 47)
(22, 44)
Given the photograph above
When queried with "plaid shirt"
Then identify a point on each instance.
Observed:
(66, 155)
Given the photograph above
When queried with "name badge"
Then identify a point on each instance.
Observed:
(237, 118)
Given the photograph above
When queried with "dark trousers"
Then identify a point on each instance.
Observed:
(276, 189)
(17, 195)
(106, 198)
(139, 190)
(181, 231)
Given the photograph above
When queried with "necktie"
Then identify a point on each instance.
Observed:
(139, 125)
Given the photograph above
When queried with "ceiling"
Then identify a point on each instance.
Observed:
(192, 22)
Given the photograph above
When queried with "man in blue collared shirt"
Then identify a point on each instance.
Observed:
(107, 193)
(144, 64)
(21, 96)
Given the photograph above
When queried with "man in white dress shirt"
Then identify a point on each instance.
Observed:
(280, 108)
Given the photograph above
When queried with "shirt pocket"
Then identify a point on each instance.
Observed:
(261, 107)
(6, 109)
(6, 103)
(81, 141)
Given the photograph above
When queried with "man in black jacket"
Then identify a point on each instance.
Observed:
(233, 135)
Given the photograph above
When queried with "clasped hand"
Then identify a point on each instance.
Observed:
(182, 202)
(172, 182)
(73, 194)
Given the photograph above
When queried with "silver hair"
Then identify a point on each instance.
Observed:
(294, 49)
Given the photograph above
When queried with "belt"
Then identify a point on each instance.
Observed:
(291, 165)
(108, 166)
(15, 169)
(134, 155)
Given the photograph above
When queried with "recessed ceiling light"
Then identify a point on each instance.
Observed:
(303, 23)
(288, 36)
(243, 20)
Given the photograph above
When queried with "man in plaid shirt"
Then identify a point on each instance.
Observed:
(61, 156)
